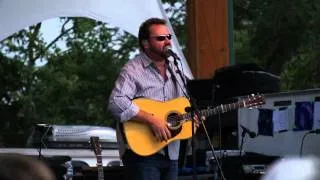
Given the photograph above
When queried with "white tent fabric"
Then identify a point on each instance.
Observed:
(125, 14)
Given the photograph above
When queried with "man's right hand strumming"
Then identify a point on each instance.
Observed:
(158, 126)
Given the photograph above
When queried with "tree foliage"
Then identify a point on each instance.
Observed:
(282, 37)
(73, 86)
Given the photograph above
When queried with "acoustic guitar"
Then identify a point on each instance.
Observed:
(140, 137)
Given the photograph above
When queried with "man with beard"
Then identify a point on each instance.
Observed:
(147, 75)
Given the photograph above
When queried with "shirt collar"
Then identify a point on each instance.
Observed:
(146, 61)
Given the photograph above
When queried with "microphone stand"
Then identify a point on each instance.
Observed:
(243, 134)
(43, 137)
(194, 110)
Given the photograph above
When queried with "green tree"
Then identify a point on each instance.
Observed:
(79, 81)
(280, 36)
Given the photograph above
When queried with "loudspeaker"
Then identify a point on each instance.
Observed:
(243, 79)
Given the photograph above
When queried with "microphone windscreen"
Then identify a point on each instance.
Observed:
(167, 51)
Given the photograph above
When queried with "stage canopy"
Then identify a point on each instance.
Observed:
(125, 14)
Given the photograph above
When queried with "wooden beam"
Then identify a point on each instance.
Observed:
(207, 45)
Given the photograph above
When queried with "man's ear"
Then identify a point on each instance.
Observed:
(145, 44)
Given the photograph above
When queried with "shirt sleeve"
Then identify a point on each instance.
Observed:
(120, 101)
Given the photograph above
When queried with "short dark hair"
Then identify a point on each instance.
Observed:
(144, 32)
(22, 167)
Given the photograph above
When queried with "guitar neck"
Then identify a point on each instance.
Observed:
(100, 173)
(100, 168)
(94, 141)
(217, 110)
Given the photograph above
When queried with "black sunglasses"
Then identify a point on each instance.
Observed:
(162, 37)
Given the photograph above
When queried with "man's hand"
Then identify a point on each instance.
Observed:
(197, 120)
(159, 129)
(158, 126)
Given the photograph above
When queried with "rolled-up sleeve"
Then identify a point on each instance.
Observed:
(120, 101)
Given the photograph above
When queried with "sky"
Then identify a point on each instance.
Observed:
(50, 30)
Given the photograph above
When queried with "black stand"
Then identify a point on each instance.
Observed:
(44, 135)
(241, 158)
(194, 110)
(243, 134)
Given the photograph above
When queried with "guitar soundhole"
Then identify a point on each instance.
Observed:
(174, 124)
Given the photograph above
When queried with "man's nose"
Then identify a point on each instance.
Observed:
(167, 42)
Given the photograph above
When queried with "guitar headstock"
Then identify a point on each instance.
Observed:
(95, 144)
(254, 101)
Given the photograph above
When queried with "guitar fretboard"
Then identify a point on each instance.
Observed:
(216, 110)
(94, 141)
(100, 167)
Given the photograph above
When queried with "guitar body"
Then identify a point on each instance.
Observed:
(140, 137)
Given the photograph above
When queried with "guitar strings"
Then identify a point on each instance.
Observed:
(186, 116)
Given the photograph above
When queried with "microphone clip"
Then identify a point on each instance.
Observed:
(170, 53)
(247, 131)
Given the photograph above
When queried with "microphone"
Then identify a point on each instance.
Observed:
(250, 133)
(169, 52)
(316, 131)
